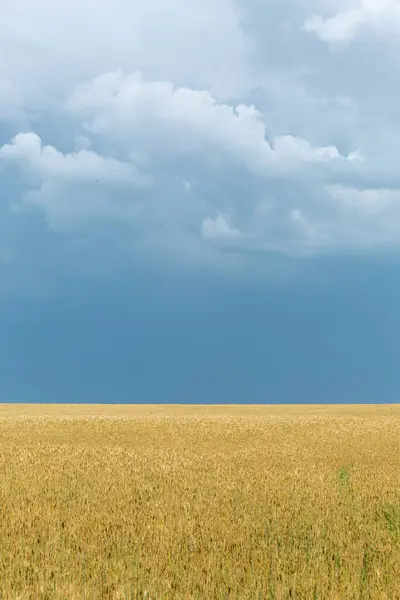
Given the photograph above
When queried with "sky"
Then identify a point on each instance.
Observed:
(199, 205)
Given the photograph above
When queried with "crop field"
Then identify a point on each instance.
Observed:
(182, 502)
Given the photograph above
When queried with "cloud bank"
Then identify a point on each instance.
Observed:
(225, 130)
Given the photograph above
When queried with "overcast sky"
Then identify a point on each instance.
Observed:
(199, 202)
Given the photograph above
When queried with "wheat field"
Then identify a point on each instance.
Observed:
(157, 502)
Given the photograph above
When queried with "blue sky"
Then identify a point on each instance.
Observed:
(199, 205)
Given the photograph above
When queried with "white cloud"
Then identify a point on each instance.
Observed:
(344, 26)
(158, 125)
(367, 203)
(53, 47)
(221, 125)
(155, 115)
(297, 149)
(84, 165)
(353, 219)
(218, 228)
(71, 187)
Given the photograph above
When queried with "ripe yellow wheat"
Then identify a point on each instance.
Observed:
(209, 502)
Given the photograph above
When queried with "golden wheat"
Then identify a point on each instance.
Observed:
(184, 502)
